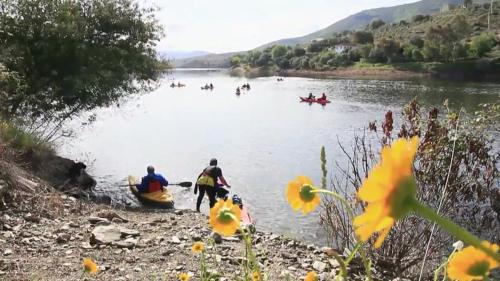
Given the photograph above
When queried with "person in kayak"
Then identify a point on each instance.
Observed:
(211, 86)
(311, 96)
(323, 97)
(207, 182)
(238, 91)
(152, 182)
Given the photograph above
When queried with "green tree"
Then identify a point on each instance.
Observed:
(376, 23)
(481, 44)
(76, 55)
(459, 51)
(264, 59)
(235, 61)
(362, 37)
(417, 55)
(298, 51)
(278, 51)
(417, 41)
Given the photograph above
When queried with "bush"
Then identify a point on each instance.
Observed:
(298, 51)
(417, 55)
(482, 44)
(362, 37)
(417, 41)
(455, 151)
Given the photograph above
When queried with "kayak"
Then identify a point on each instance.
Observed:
(159, 199)
(320, 101)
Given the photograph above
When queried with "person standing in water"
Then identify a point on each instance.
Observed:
(207, 182)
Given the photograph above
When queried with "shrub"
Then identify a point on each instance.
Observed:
(417, 41)
(376, 23)
(481, 44)
(362, 37)
(455, 151)
(416, 55)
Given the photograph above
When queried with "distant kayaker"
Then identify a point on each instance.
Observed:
(207, 182)
(172, 85)
(211, 86)
(152, 182)
(238, 91)
(323, 97)
(311, 96)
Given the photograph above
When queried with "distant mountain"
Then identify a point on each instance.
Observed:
(353, 22)
(205, 61)
(174, 55)
(363, 18)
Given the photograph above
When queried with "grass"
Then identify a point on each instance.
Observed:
(13, 136)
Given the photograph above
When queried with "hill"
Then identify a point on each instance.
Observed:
(363, 18)
(354, 22)
(174, 55)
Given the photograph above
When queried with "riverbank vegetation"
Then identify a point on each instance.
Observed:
(461, 39)
(59, 58)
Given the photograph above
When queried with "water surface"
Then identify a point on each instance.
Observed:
(262, 138)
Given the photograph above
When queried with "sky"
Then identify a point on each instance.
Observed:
(220, 26)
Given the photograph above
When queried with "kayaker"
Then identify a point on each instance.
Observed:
(238, 91)
(207, 182)
(311, 96)
(323, 97)
(152, 182)
(211, 86)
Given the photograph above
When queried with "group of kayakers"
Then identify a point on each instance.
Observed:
(210, 181)
(244, 87)
(312, 97)
(208, 87)
(279, 79)
(179, 84)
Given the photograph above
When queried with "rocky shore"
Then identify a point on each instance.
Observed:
(46, 233)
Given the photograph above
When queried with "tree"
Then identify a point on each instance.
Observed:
(235, 61)
(460, 27)
(417, 41)
(76, 55)
(278, 51)
(362, 37)
(263, 60)
(481, 44)
(298, 51)
(417, 55)
(376, 23)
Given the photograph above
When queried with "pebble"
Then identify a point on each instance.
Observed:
(7, 252)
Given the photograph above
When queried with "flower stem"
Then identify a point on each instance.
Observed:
(453, 228)
(339, 197)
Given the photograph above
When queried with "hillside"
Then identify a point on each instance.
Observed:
(353, 22)
(363, 18)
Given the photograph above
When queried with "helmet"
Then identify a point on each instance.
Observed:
(237, 200)
(213, 162)
(151, 170)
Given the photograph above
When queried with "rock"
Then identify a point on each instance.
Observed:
(31, 218)
(179, 212)
(217, 238)
(63, 238)
(109, 234)
(95, 220)
(7, 252)
(334, 263)
(319, 266)
(127, 243)
(176, 240)
(8, 234)
(109, 215)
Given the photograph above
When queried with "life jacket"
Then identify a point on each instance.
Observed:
(154, 186)
(206, 178)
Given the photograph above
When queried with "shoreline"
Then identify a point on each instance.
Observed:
(443, 72)
(45, 235)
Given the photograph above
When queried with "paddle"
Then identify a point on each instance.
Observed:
(182, 184)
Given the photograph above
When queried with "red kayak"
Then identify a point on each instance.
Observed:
(320, 101)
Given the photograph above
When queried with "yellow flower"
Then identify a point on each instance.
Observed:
(90, 266)
(389, 191)
(183, 277)
(472, 263)
(198, 247)
(225, 217)
(311, 276)
(299, 194)
(256, 276)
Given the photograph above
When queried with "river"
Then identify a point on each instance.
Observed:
(262, 138)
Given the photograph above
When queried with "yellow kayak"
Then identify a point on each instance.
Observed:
(159, 199)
